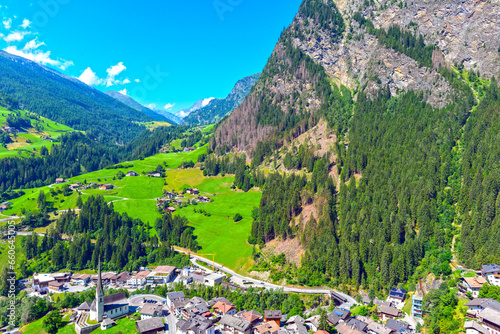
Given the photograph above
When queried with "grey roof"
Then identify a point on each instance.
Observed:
(296, 319)
(297, 328)
(397, 325)
(198, 325)
(176, 295)
(275, 314)
(108, 321)
(84, 307)
(239, 324)
(490, 268)
(358, 324)
(112, 301)
(151, 309)
(491, 315)
(484, 303)
(476, 326)
(150, 324)
(221, 299)
(337, 315)
(389, 310)
(181, 303)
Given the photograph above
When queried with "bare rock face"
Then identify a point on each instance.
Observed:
(467, 31)
(364, 61)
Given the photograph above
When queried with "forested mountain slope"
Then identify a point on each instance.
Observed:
(219, 108)
(130, 102)
(68, 101)
(408, 96)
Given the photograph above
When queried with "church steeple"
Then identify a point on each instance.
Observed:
(99, 290)
(99, 295)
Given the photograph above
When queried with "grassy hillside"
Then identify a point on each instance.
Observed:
(42, 133)
(214, 227)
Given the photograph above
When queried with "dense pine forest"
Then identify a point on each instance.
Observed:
(121, 242)
(78, 154)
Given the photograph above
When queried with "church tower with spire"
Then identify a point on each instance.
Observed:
(99, 296)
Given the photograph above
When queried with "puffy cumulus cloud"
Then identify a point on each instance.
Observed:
(26, 23)
(151, 105)
(33, 45)
(113, 72)
(15, 36)
(40, 57)
(169, 106)
(89, 77)
(137, 80)
(123, 91)
(7, 23)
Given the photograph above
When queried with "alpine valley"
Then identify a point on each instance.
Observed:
(352, 187)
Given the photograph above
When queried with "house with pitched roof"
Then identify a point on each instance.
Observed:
(222, 308)
(253, 317)
(397, 295)
(273, 316)
(235, 325)
(338, 315)
(492, 273)
(490, 319)
(478, 305)
(150, 326)
(472, 285)
(151, 311)
(472, 327)
(387, 312)
(270, 327)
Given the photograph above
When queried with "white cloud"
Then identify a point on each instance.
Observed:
(89, 77)
(137, 80)
(123, 92)
(113, 71)
(206, 101)
(32, 45)
(7, 23)
(26, 23)
(169, 106)
(151, 105)
(39, 57)
(15, 36)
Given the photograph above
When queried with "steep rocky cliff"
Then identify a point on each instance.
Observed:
(462, 33)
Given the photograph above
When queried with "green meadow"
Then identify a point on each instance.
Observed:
(217, 233)
(215, 229)
(24, 144)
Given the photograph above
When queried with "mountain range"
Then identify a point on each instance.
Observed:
(67, 100)
(216, 109)
(392, 107)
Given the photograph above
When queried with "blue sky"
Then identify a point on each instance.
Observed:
(162, 52)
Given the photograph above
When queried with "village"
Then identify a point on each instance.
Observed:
(175, 313)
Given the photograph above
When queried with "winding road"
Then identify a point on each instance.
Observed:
(350, 301)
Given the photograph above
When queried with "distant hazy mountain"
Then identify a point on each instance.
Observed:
(128, 101)
(171, 117)
(216, 109)
(197, 106)
(67, 100)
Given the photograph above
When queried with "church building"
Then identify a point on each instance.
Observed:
(111, 306)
